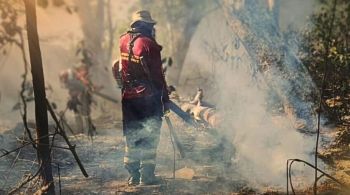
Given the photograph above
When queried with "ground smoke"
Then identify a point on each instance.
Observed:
(253, 96)
(263, 141)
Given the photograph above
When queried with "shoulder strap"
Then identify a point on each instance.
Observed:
(131, 45)
(143, 63)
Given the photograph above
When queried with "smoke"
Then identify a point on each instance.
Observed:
(295, 12)
(217, 61)
(59, 33)
(263, 141)
(251, 96)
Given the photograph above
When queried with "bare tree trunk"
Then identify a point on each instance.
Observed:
(100, 29)
(92, 17)
(181, 42)
(91, 14)
(40, 96)
(180, 37)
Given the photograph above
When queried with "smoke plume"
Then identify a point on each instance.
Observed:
(251, 94)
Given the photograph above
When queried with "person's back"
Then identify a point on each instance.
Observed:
(143, 96)
(143, 67)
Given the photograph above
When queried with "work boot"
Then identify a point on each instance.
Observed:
(133, 169)
(147, 175)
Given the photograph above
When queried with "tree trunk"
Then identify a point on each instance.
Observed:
(181, 42)
(179, 29)
(40, 96)
(111, 32)
(91, 14)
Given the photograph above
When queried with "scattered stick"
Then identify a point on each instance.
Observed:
(65, 137)
(289, 174)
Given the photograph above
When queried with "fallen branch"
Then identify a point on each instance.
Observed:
(289, 174)
(65, 137)
(199, 110)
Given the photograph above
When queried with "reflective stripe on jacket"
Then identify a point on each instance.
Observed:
(135, 80)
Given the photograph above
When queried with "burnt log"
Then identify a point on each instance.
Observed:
(199, 110)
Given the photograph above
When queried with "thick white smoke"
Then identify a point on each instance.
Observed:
(264, 137)
(263, 141)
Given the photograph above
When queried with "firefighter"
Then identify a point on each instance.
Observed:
(144, 97)
(76, 81)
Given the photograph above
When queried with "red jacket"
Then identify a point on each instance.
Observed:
(149, 50)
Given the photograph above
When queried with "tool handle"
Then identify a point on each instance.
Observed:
(176, 138)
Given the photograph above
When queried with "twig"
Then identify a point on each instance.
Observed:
(23, 89)
(37, 173)
(63, 134)
(12, 165)
(59, 178)
(63, 123)
(33, 182)
(14, 150)
(22, 146)
(289, 175)
(25, 182)
(322, 93)
(174, 159)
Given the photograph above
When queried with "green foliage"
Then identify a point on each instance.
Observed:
(326, 49)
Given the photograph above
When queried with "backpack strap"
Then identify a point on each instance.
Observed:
(131, 45)
(143, 63)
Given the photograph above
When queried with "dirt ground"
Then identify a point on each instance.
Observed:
(337, 156)
(206, 169)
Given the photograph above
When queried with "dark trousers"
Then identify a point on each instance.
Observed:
(141, 127)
